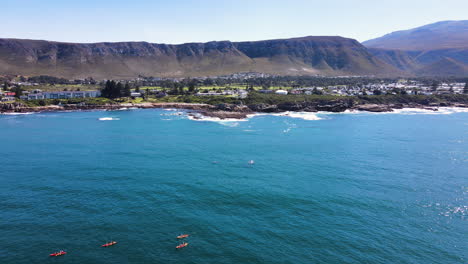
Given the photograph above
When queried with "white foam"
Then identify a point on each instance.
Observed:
(27, 113)
(126, 109)
(301, 115)
(108, 118)
(314, 116)
(415, 111)
(200, 117)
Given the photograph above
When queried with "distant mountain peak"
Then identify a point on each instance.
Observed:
(439, 35)
(439, 48)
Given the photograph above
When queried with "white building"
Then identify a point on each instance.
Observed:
(63, 95)
(243, 94)
(282, 92)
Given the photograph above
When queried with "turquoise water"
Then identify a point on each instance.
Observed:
(349, 188)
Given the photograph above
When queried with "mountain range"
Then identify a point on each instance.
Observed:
(436, 49)
(298, 56)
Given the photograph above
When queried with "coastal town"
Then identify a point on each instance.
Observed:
(238, 86)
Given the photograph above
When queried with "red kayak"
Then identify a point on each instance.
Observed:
(183, 236)
(56, 254)
(109, 244)
(182, 245)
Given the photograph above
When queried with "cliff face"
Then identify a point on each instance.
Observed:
(309, 55)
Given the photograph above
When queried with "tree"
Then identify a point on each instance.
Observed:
(434, 86)
(126, 90)
(18, 91)
(316, 91)
(105, 92)
(111, 90)
(5, 86)
(465, 90)
(191, 85)
(119, 88)
(208, 82)
(137, 89)
(377, 92)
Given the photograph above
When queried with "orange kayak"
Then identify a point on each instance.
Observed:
(183, 236)
(182, 245)
(109, 244)
(56, 254)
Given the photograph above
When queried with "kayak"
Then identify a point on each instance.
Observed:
(109, 244)
(56, 254)
(183, 236)
(182, 245)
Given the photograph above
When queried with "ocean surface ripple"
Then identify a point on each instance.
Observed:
(324, 188)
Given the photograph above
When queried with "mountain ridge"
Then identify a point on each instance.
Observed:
(439, 35)
(311, 55)
(437, 49)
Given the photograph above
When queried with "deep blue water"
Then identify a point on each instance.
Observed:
(349, 188)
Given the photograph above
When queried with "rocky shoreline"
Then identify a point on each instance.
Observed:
(230, 111)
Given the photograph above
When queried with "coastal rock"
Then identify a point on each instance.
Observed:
(11, 107)
(224, 114)
(374, 108)
(461, 105)
(310, 109)
(334, 106)
(291, 107)
(397, 106)
(430, 108)
(233, 108)
(265, 108)
(188, 106)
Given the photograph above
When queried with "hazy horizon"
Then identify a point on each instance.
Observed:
(183, 21)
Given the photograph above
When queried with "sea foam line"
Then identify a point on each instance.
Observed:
(108, 118)
(413, 111)
(301, 115)
(27, 113)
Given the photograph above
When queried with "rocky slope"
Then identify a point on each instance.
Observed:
(298, 56)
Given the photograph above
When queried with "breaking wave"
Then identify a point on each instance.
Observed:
(301, 115)
(416, 111)
(27, 113)
(108, 118)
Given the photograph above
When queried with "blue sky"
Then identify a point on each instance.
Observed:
(179, 21)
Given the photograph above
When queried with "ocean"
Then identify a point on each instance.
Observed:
(324, 187)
